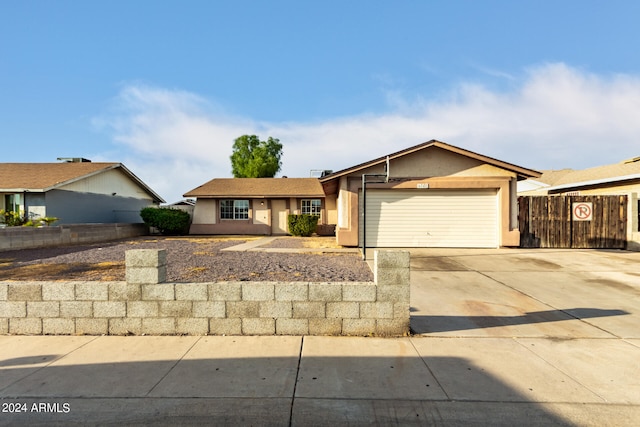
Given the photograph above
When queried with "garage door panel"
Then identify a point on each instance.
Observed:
(433, 218)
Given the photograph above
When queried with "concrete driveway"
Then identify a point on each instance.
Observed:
(555, 293)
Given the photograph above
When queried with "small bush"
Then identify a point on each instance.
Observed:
(302, 225)
(40, 222)
(167, 221)
(11, 219)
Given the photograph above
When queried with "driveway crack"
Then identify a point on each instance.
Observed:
(295, 383)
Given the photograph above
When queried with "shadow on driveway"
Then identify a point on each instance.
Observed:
(429, 324)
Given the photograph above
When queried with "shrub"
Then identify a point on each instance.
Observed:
(302, 225)
(11, 219)
(39, 222)
(167, 221)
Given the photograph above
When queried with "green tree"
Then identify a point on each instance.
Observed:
(253, 158)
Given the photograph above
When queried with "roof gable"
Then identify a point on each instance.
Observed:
(522, 173)
(46, 176)
(41, 177)
(258, 188)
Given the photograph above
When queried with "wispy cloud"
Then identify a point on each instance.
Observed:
(493, 72)
(555, 116)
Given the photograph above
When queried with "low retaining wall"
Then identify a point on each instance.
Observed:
(37, 237)
(145, 305)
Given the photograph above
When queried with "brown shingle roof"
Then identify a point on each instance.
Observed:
(566, 179)
(258, 188)
(18, 177)
(615, 170)
(43, 176)
(551, 177)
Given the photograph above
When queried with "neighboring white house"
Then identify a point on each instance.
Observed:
(75, 191)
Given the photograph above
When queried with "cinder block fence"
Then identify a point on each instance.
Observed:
(145, 304)
(12, 238)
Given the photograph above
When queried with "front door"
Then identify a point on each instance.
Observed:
(278, 217)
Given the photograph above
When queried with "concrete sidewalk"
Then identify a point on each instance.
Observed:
(300, 381)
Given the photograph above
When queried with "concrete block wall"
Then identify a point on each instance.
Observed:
(145, 305)
(36, 237)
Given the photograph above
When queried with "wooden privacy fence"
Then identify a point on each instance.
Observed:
(581, 222)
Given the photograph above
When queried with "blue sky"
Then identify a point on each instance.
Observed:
(165, 86)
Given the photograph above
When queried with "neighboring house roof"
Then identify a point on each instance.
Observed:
(628, 170)
(551, 177)
(185, 202)
(42, 177)
(547, 179)
(523, 173)
(258, 188)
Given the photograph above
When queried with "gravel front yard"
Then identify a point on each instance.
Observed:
(189, 260)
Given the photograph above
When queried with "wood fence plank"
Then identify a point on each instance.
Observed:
(547, 222)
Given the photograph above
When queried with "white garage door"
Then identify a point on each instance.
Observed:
(432, 218)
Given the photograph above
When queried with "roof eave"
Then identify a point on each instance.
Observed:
(592, 182)
(521, 172)
(256, 196)
(22, 190)
(140, 183)
(81, 177)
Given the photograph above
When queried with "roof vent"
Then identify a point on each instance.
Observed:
(74, 160)
(320, 173)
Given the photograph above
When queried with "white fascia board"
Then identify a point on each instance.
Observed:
(594, 182)
(22, 190)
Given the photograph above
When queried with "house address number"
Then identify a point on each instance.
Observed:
(423, 185)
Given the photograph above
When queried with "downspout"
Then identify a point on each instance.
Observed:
(364, 203)
(24, 204)
(364, 217)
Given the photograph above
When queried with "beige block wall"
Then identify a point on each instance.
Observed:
(232, 308)
(71, 234)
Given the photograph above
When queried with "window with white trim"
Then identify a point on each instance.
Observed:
(12, 202)
(234, 209)
(311, 206)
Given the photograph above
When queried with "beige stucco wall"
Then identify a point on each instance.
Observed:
(440, 169)
(430, 162)
(608, 191)
(331, 209)
(260, 222)
(205, 211)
